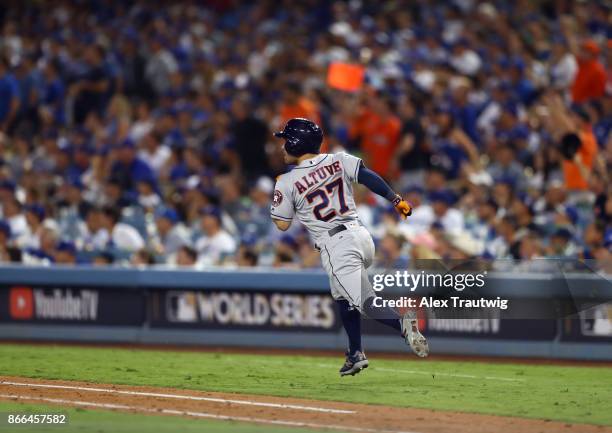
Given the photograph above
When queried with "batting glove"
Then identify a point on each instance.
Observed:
(402, 206)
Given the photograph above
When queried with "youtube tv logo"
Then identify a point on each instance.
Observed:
(21, 303)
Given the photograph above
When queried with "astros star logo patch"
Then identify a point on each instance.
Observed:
(278, 198)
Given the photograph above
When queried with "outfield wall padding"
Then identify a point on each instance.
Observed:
(288, 309)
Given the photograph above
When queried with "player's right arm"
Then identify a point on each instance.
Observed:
(377, 185)
(358, 172)
(282, 210)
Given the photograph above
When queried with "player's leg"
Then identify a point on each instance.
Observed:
(387, 316)
(406, 325)
(338, 258)
(351, 322)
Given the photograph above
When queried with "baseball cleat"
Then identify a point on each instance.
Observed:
(410, 332)
(354, 364)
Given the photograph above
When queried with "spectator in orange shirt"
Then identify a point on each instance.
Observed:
(377, 130)
(295, 104)
(577, 170)
(590, 80)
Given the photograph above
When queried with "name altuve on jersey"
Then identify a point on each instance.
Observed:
(317, 176)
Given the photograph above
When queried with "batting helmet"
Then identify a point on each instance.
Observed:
(301, 136)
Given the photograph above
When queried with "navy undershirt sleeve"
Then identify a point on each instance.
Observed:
(374, 182)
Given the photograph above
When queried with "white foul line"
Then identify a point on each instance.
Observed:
(198, 414)
(181, 397)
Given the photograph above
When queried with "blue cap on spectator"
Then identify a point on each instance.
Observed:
(169, 214)
(211, 211)
(506, 180)
(444, 196)
(5, 228)
(67, 247)
(128, 143)
(37, 210)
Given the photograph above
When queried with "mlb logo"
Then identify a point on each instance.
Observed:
(21, 303)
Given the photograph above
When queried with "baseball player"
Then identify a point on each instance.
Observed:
(318, 190)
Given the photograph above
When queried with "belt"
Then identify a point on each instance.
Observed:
(333, 232)
(336, 230)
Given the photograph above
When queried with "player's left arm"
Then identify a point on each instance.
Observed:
(282, 209)
(377, 185)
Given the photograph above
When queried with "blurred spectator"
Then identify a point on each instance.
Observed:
(295, 104)
(441, 211)
(216, 243)
(171, 232)
(90, 91)
(5, 236)
(161, 65)
(152, 153)
(564, 66)
(142, 258)
(412, 154)
(9, 95)
(246, 257)
(122, 236)
(590, 82)
(390, 252)
(128, 169)
(65, 254)
(186, 256)
(250, 137)
(377, 131)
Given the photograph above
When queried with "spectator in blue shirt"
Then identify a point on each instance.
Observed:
(9, 96)
(128, 169)
(91, 89)
(53, 94)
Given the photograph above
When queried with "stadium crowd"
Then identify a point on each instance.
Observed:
(140, 132)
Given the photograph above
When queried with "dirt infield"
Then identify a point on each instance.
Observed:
(270, 410)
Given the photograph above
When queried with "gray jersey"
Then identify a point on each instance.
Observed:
(319, 192)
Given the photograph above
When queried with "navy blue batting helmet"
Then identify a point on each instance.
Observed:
(301, 136)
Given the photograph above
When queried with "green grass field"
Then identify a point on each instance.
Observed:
(569, 394)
